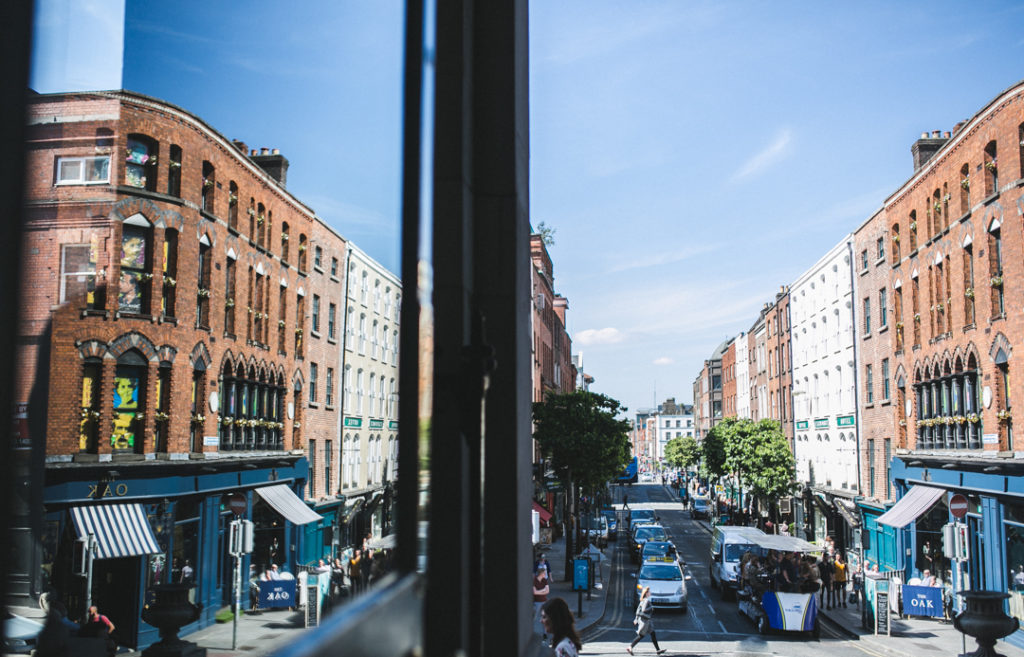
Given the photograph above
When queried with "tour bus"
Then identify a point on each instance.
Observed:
(728, 543)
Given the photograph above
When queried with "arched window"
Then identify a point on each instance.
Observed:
(1020, 155)
(913, 230)
(297, 423)
(350, 328)
(251, 211)
(347, 404)
(302, 252)
(915, 291)
(261, 224)
(282, 319)
(129, 402)
(284, 241)
(204, 278)
(968, 275)
(895, 244)
(364, 291)
(990, 164)
(230, 267)
(938, 223)
(965, 189)
(381, 398)
(163, 408)
(209, 185)
(233, 205)
(89, 423)
(995, 269)
(198, 423)
(135, 291)
(300, 316)
(362, 334)
(170, 272)
(140, 162)
(174, 171)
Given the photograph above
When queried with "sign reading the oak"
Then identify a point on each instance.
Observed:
(353, 422)
(844, 421)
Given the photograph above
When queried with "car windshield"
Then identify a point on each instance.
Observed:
(734, 551)
(651, 534)
(641, 514)
(700, 504)
(661, 571)
(653, 549)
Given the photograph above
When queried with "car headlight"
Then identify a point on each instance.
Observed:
(681, 590)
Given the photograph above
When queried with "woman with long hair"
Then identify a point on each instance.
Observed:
(559, 622)
(644, 610)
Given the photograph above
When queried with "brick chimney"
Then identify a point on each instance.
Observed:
(925, 147)
(275, 164)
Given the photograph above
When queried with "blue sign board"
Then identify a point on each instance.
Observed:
(580, 574)
(922, 601)
(278, 593)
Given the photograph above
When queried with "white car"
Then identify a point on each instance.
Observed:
(667, 582)
(20, 634)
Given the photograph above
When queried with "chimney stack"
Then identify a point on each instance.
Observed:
(925, 147)
(275, 164)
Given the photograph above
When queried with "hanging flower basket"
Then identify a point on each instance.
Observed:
(937, 207)
(1004, 415)
(302, 247)
(198, 418)
(959, 419)
(903, 423)
(973, 418)
(230, 303)
(997, 281)
(965, 183)
(169, 282)
(946, 198)
(227, 421)
(913, 225)
(991, 166)
(203, 293)
(899, 325)
(896, 238)
(174, 165)
(252, 213)
(160, 416)
(145, 277)
(947, 420)
(298, 331)
(296, 425)
(284, 237)
(917, 317)
(89, 415)
(280, 323)
(232, 198)
(207, 183)
(260, 219)
(969, 293)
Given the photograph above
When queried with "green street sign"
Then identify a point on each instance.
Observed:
(802, 424)
(353, 422)
(845, 421)
(393, 426)
(376, 424)
(821, 424)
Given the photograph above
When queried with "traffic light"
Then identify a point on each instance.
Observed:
(80, 556)
(241, 537)
(955, 541)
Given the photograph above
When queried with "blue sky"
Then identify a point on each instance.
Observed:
(692, 156)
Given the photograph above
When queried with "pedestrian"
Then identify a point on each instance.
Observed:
(839, 579)
(366, 568)
(558, 621)
(825, 570)
(540, 595)
(188, 573)
(542, 562)
(99, 626)
(625, 502)
(644, 625)
(355, 577)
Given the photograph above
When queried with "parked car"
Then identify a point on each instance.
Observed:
(641, 515)
(658, 549)
(667, 582)
(20, 634)
(700, 508)
(613, 523)
(596, 528)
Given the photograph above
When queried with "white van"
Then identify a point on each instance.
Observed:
(728, 544)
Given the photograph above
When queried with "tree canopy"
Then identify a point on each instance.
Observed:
(757, 452)
(682, 452)
(579, 433)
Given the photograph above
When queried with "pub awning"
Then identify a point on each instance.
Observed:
(121, 530)
(911, 506)
(288, 504)
(848, 510)
(545, 515)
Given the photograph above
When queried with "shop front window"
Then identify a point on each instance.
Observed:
(1013, 523)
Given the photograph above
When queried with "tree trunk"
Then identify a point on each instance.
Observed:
(570, 530)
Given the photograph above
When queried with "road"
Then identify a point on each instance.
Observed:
(711, 626)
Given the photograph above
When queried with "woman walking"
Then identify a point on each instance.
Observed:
(559, 622)
(643, 621)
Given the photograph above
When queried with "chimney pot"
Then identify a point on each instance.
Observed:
(264, 151)
(946, 134)
(935, 134)
(924, 135)
(253, 153)
(276, 151)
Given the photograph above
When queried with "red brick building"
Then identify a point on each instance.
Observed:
(729, 380)
(179, 343)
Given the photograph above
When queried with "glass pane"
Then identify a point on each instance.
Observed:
(70, 170)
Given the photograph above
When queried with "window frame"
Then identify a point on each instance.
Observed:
(58, 181)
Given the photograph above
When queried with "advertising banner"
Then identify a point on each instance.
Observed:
(922, 601)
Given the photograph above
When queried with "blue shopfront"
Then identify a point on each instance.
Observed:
(158, 522)
(994, 488)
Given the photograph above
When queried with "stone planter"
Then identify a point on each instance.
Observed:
(169, 613)
(985, 620)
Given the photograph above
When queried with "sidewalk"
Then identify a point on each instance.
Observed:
(910, 635)
(561, 587)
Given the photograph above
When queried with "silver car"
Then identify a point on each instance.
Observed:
(665, 577)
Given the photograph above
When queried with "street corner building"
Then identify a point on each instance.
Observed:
(182, 339)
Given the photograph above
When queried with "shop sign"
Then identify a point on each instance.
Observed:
(802, 424)
(821, 423)
(376, 424)
(844, 421)
(353, 422)
(393, 426)
(117, 490)
(211, 441)
(990, 439)
(922, 601)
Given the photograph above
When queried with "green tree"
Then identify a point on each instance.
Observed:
(682, 452)
(547, 235)
(756, 453)
(586, 445)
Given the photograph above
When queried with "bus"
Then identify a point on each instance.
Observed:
(630, 475)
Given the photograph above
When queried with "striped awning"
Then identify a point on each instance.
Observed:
(288, 504)
(911, 506)
(121, 530)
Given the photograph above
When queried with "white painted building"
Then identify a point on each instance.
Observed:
(742, 376)
(824, 405)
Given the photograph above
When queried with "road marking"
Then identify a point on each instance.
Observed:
(722, 625)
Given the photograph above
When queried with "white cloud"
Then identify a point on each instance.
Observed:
(664, 360)
(666, 258)
(609, 335)
(760, 161)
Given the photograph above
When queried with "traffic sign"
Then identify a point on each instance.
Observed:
(958, 505)
(237, 503)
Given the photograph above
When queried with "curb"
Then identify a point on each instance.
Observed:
(849, 633)
(581, 628)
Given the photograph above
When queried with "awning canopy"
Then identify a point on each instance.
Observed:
(382, 543)
(121, 530)
(911, 506)
(284, 501)
(545, 515)
(848, 510)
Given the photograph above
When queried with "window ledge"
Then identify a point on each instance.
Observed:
(90, 312)
(915, 347)
(329, 407)
(864, 272)
(143, 316)
(208, 215)
(233, 230)
(886, 402)
(314, 404)
(990, 198)
(883, 328)
(332, 341)
(315, 334)
(969, 327)
(230, 336)
(318, 269)
(145, 193)
(203, 328)
(335, 278)
(998, 317)
(169, 319)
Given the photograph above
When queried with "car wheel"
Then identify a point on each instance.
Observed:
(762, 625)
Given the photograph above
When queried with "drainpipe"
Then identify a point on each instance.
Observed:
(856, 423)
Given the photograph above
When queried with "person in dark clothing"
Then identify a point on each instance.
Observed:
(825, 569)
